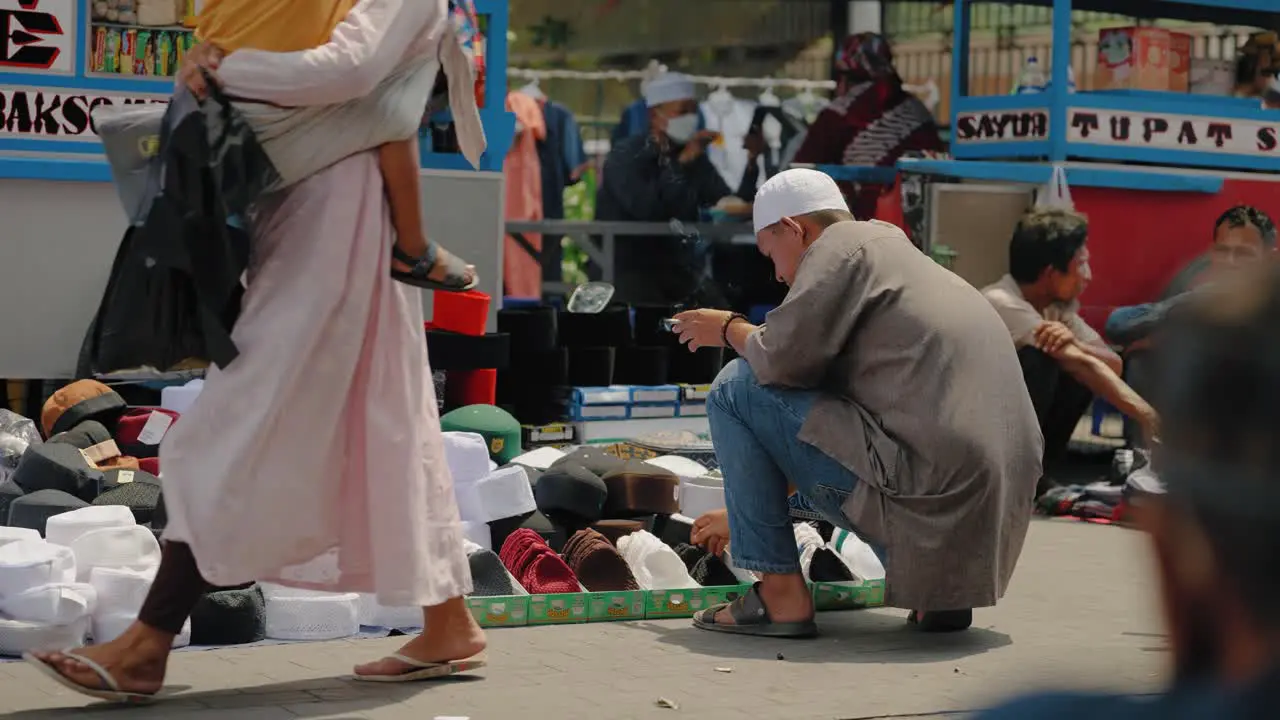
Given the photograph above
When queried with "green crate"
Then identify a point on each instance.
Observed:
(661, 604)
(561, 609)
(615, 606)
(848, 595)
(500, 611)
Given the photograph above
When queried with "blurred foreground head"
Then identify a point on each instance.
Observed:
(1217, 532)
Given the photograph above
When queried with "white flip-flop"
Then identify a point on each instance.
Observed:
(111, 691)
(419, 670)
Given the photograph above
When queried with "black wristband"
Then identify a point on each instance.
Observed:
(724, 331)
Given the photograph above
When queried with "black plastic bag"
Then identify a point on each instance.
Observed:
(149, 316)
(174, 291)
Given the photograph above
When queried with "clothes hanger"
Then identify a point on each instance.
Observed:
(721, 101)
(807, 98)
(768, 98)
(533, 90)
(928, 93)
(651, 71)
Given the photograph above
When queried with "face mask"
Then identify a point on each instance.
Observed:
(682, 127)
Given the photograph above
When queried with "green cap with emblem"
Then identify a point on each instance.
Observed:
(500, 430)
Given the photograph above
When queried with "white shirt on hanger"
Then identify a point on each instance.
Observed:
(732, 119)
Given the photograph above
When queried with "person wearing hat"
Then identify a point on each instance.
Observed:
(660, 176)
(880, 388)
(634, 120)
(1213, 529)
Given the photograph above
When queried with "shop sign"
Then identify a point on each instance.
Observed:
(37, 36)
(57, 113)
(1235, 136)
(1002, 126)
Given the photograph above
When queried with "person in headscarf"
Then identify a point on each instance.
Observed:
(873, 120)
(1210, 516)
(315, 459)
(880, 389)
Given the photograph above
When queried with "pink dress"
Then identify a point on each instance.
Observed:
(522, 272)
(315, 458)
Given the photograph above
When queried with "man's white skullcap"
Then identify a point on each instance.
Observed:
(669, 87)
(795, 192)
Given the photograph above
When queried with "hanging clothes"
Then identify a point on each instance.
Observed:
(731, 117)
(562, 156)
(521, 265)
(561, 153)
(779, 129)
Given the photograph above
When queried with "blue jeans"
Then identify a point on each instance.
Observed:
(754, 429)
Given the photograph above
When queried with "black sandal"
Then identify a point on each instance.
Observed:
(750, 617)
(456, 279)
(943, 621)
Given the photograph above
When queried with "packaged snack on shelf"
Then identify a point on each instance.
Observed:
(128, 48)
(98, 63)
(164, 54)
(111, 56)
(144, 52)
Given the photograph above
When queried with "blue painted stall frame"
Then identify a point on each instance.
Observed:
(67, 150)
(1017, 138)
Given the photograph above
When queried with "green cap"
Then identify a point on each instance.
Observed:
(500, 430)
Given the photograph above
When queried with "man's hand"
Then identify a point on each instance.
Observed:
(202, 56)
(696, 146)
(1053, 337)
(712, 532)
(1150, 423)
(702, 328)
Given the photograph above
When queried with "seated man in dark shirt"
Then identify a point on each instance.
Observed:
(1242, 236)
(1214, 532)
(661, 176)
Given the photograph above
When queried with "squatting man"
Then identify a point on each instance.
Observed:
(879, 389)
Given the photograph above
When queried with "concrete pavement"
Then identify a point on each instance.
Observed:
(1080, 614)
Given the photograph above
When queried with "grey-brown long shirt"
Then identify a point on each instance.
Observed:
(922, 398)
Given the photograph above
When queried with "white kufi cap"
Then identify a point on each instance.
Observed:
(669, 87)
(795, 192)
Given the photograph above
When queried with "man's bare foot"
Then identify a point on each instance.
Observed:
(786, 597)
(135, 661)
(418, 248)
(451, 634)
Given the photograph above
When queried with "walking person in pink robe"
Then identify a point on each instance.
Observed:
(316, 458)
